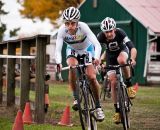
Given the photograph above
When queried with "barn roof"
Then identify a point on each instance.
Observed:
(146, 12)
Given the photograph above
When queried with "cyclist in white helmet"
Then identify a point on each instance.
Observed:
(80, 40)
(118, 47)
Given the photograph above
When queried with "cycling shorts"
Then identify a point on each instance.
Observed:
(90, 51)
(112, 59)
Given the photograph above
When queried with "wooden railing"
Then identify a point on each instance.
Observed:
(20, 51)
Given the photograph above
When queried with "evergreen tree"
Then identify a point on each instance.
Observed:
(2, 25)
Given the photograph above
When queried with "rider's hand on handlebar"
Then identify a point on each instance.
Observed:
(59, 68)
(96, 62)
(133, 62)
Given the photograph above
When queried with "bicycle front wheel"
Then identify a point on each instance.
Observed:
(83, 107)
(92, 108)
(123, 107)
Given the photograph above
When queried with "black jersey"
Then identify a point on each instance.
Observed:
(119, 43)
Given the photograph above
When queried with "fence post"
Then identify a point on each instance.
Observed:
(25, 73)
(1, 75)
(41, 43)
(10, 76)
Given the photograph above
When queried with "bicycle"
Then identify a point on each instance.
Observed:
(86, 100)
(105, 89)
(123, 101)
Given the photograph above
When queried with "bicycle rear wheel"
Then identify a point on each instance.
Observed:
(83, 107)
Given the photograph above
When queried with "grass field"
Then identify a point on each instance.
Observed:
(145, 113)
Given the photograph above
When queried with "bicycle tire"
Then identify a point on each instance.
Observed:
(92, 106)
(105, 90)
(128, 105)
(122, 106)
(108, 88)
(84, 113)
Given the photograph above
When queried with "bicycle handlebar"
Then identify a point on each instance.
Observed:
(116, 66)
(75, 66)
(120, 66)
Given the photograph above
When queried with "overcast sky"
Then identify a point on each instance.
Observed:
(14, 20)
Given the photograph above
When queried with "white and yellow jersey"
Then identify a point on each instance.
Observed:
(81, 40)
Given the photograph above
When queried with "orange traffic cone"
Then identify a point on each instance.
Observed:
(46, 99)
(18, 124)
(27, 116)
(65, 119)
(135, 87)
(46, 103)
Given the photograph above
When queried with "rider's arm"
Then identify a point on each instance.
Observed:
(132, 49)
(59, 44)
(93, 40)
(103, 56)
(130, 45)
(133, 54)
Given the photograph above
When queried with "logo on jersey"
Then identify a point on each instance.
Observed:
(113, 46)
(73, 39)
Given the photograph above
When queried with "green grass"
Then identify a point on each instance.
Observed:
(145, 113)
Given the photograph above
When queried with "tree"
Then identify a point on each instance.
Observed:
(46, 8)
(14, 32)
(2, 25)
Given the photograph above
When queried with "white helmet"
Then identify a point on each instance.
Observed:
(71, 14)
(108, 24)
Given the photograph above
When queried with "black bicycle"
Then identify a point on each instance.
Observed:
(86, 100)
(123, 101)
(105, 88)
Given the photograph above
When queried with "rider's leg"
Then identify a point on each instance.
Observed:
(71, 61)
(113, 81)
(122, 59)
(91, 73)
(95, 86)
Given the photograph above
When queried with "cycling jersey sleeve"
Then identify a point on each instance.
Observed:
(130, 45)
(126, 41)
(101, 37)
(93, 40)
(59, 45)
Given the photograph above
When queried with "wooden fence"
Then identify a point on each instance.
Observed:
(19, 50)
